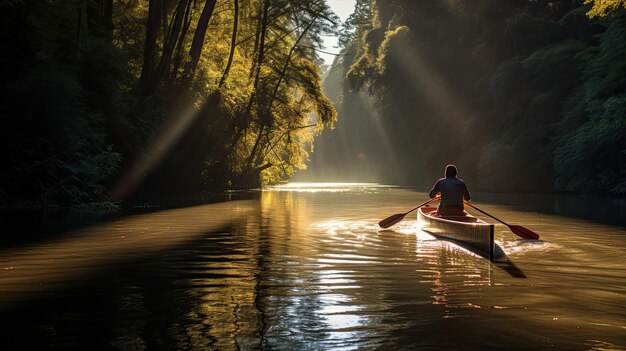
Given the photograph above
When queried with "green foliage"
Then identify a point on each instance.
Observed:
(393, 47)
(602, 8)
(91, 96)
(593, 158)
(357, 23)
(591, 155)
(522, 95)
(553, 56)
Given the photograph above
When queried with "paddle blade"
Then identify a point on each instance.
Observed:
(389, 221)
(523, 232)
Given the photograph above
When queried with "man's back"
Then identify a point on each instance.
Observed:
(453, 191)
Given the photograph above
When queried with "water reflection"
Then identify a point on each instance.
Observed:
(310, 270)
(329, 187)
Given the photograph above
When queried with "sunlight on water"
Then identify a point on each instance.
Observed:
(358, 228)
(35, 269)
(306, 267)
(523, 247)
(327, 187)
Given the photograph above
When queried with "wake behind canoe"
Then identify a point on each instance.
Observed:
(469, 231)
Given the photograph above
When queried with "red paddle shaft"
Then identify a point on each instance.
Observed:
(391, 220)
(516, 229)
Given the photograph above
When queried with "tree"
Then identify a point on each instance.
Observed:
(183, 96)
(520, 94)
(602, 8)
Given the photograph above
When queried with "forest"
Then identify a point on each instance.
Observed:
(524, 96)
(104, 100)
(156, 100)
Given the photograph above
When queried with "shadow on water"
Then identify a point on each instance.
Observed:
(31, 226)
(504, 263)
(22, 227)
(509, 267)
(143, 303)
(176, 279)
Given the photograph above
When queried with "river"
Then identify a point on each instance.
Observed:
(305, 267)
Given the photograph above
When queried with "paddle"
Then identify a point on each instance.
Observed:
(516, 229)
(391, 220)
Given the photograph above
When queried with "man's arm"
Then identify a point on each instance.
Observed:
(466, 194)
(434, 191)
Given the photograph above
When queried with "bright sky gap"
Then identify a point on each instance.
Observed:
(343, 9)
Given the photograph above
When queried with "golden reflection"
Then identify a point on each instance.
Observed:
(599, 345)
(300, 270)
(322, 289)
(320, 273)
(328, 187)
(284, 215)
(228, 309)
(359, 228)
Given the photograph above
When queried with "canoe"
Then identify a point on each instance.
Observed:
(468, 231)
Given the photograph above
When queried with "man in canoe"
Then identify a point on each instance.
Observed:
(453, 191)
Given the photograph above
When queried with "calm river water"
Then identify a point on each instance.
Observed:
(305, 267)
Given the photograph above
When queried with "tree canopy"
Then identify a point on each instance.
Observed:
(522, 95)
(603, 8)
(157, 99)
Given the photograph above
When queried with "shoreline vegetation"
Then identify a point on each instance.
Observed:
(158, 99)
(161, 100)
(523, 96)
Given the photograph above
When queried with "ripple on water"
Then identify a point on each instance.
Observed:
(518, 247)
(309, 269)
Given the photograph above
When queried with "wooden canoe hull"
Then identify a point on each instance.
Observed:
(471, 232)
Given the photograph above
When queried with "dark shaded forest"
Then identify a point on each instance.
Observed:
(524, 96)
(155, 100)
(159, 100)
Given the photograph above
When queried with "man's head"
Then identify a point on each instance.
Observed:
(451, 171)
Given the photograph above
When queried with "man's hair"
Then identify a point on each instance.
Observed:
(451, 171)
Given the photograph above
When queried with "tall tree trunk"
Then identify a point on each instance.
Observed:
(281, 77)
(170, 40)
(266, 8)
(242, 125)
(149, 51)
(171, 77)
(259, 23)
(198, 38)
(233, 42)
